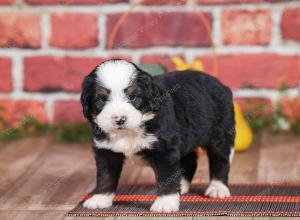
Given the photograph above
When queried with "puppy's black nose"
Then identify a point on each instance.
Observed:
(120, 120)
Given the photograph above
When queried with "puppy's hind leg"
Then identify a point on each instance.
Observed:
(219, 164)
(188, 165)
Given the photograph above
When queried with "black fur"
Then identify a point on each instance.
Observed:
(109, 166)
(191, 109)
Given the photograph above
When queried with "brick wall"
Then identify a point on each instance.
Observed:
(47, 46)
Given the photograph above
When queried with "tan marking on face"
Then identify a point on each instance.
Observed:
(103, 92)
(130, 90)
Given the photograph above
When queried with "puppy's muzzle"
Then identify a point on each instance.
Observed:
(119, 120)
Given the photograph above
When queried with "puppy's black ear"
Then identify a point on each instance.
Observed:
(153, 90)
(86, 96)
(157, 97)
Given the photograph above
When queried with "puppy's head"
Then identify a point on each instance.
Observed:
(117, 95)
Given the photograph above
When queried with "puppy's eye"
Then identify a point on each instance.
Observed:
(132, 98)
(101, 100)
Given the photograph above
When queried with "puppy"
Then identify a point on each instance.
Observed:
(162, 120)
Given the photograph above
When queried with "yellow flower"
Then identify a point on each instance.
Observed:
(181, 65)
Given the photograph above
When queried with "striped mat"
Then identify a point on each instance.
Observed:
(246, 200)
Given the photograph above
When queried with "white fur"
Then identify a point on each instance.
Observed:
(118, 108)
(147, 116)
(127, 142)
(100, 201)
(116, 76)
(231, 154)
(184, 186)
(166, 203)
(217, 189)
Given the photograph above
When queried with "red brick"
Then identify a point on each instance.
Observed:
(15, 111)
(256, 70)
(5, 75)
(72, 2)
(69, 30)
(20, 30)
(50, 74)
(255, 105)
(290, 108)
(246, 27)
(211, 2)
(6, 2)
(290, 24)
(275, 1)
(164, 2)
(164, 60)
(67, 111)
(155, 29)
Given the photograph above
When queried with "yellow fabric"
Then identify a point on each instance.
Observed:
(244, 135)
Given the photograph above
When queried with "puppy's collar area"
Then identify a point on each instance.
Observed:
(127, 142)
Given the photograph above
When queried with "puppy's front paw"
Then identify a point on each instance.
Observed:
(166, 203)
(100, 201)
(217, 189)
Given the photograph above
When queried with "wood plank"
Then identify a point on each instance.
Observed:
(245, 164)
(32, 215)
(55, 165)
(17, 158)
(44, 179)
(279, 159)
(132, 173)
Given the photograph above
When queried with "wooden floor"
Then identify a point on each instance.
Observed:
(42, 179)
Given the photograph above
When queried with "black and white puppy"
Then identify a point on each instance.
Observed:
(162, 120)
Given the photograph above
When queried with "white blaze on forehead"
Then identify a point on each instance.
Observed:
(116, 74)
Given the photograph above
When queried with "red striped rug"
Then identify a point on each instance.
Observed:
(246, 200)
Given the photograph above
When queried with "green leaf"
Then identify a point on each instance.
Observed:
(10, 134)
(283, 86)
(157, 69)
(295, 127)
(80, 133)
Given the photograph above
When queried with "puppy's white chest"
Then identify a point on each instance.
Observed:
(127, 142)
